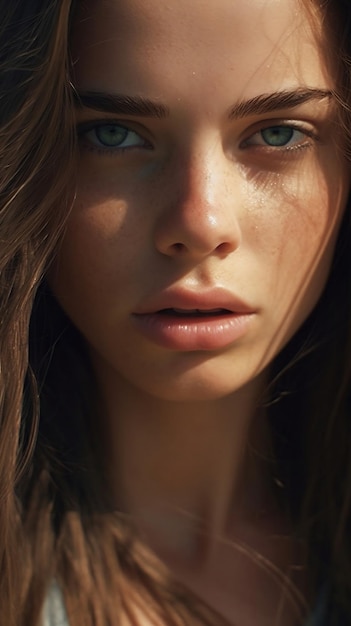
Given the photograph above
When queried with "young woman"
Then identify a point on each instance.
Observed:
(175, 273)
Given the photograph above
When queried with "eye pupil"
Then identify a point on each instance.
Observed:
(111, 134)
(277, 135)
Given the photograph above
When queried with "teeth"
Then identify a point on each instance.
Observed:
(195, 311)
(203, 311)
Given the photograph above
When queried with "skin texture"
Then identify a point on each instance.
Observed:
(198, 210)
(198, 200)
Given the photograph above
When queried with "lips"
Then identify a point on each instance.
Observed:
(189, 321)
(192, 312)
(180, 300)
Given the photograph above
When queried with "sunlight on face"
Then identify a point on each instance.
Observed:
(211, 186)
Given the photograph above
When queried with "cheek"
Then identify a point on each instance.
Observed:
(107, 239)
(294, 237)
(93, 255)
(295, 221)
(105, 232)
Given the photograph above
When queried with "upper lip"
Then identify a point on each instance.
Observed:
(188, 300)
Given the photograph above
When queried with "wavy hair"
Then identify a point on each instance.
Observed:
(35, 156)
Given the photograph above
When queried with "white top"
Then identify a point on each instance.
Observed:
(54, 612)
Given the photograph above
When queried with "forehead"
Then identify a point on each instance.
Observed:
(256, 45)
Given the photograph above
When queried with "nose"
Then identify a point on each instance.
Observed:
(199, 215)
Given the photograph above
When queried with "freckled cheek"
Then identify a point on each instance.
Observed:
(291, 233)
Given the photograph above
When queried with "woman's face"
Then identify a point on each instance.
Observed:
(211, 186)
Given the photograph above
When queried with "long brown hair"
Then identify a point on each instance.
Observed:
(56, 521)
(34, 147)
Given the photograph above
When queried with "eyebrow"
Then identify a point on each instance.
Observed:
(120, 104)
(266, 103)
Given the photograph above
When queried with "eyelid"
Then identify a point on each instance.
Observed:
(306, 128)
(84, 127)
(90, 123)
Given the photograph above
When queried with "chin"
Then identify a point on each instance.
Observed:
(193, 387)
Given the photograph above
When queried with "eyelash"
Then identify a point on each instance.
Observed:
(307, 137)
(86, 128)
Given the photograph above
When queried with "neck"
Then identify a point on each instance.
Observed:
(185, 472)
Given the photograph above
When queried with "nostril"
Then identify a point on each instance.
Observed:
(181, 235)
(179, 247)
(224, 248)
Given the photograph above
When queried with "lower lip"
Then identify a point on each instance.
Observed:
(193, 333)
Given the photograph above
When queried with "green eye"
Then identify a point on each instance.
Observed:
(278, 135)
(110, 136)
